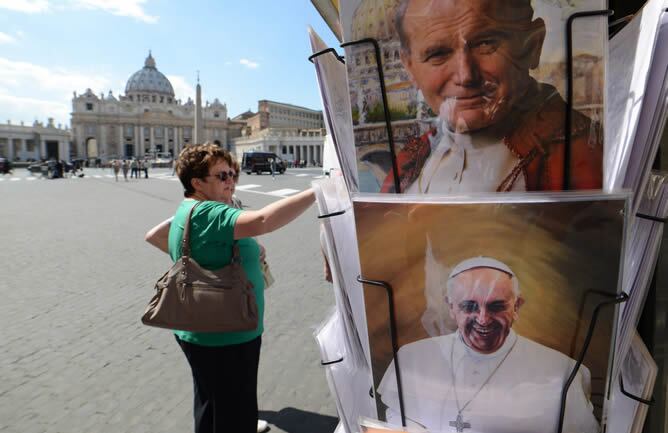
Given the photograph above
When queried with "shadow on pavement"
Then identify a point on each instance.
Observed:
(294, 420)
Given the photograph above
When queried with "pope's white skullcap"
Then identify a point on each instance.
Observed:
(480, 262)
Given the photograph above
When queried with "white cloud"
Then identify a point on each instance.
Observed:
(125, 8)
(182, 88)
(33, 91)
(27, 6)
(249, 64)
(38, 77)
(28, 109)
(6, 39)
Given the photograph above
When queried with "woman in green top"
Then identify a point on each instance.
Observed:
(224, 365)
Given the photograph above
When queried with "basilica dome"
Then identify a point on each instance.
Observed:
(149, 80)
(374, 19)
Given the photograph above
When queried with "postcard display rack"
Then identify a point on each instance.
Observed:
(609, 300)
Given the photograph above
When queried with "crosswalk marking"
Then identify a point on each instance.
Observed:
(167, 176)
(277, 193)
(247, 186)
(282, 192)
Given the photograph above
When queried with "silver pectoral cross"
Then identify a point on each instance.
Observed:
(459, 423)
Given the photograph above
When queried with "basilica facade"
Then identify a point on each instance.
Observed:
(146, 121)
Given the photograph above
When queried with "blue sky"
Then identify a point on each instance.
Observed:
(245, 51)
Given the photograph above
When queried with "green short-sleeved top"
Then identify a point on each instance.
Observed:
(211, 239)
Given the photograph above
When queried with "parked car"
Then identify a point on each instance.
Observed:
(51, 169)
(163, 159)
(5, 166)
(158, 159)
(259, 162)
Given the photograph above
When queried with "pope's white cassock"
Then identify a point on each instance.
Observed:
(469, 162)
(516, 389)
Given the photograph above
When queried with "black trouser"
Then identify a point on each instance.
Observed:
(225, 386)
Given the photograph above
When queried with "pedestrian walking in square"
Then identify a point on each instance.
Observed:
(134, 168)
(125, 166)
(116, 165)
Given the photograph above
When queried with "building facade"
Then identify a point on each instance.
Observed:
(146, 120)
(35, 142)
(296, 134)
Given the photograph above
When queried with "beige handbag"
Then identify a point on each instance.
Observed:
(191, 298)
(266, 274)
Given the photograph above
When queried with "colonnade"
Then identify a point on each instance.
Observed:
(142, 139)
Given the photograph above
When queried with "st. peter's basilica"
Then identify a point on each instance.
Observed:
(147, 120)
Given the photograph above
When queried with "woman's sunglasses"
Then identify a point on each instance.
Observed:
(223, 175)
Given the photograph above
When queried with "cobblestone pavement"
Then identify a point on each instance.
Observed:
(76, 276)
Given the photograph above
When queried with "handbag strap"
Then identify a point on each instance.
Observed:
(185, 247)
(236, 257)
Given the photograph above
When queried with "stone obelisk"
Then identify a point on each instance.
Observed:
(199, 123)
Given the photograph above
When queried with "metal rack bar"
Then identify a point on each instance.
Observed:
(633, 397)
(325, 51)
(616, 299)
(393, 337)
(333, 214)
(651, 217)
(331, 362)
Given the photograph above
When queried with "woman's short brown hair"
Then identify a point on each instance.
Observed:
(194, 163)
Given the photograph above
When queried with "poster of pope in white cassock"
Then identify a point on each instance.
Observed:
(492, 304)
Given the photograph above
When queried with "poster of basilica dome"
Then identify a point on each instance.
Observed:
(475, 92)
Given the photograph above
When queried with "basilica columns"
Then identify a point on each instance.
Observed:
(136, 139)
(142, 140)
(121, 141)
(10, 149)
(103, 145)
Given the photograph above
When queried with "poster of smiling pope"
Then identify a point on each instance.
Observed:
(476, 94)
(492, 304)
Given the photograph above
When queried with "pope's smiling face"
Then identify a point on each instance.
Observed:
(471, 58)
(484, 305)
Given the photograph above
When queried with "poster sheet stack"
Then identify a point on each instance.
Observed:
(638, 375)
(645, 236)
(481, 231)
(637, 96)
